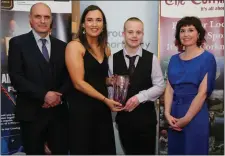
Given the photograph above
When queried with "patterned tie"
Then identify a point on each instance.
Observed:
(131, 64)
(44, 49)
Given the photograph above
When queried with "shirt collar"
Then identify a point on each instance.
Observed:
(138, 52)
(37, 37)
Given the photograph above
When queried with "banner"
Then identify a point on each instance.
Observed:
(15, 21)
(211, 14)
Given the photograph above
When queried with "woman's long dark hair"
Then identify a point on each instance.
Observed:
(102, 38)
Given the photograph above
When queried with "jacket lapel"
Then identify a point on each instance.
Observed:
(53, 55)
(35, 52)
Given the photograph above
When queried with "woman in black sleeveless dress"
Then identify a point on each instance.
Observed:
(91, 127)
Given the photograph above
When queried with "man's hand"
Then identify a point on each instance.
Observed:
(46, 105)
(131, 104)
(47, 150)
(52, 99)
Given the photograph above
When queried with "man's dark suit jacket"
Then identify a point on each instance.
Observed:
(32, 76)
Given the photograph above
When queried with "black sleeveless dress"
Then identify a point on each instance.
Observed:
(91, 126)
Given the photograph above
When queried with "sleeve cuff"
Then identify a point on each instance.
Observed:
(141, 98)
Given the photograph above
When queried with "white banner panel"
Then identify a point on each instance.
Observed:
(200, 8)
(117, 12)
(56, 6)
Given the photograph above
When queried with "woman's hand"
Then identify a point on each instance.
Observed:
(113, 105)
(182, 122)
(171, 120)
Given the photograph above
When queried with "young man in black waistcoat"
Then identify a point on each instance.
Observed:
(137, 123)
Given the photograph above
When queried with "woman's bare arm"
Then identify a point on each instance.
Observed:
(75, 65)
(199, 99)
(168, 97)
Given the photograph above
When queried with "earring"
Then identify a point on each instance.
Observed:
(183, 48)
(84, 31)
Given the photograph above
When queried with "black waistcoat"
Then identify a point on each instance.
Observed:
(140, 80)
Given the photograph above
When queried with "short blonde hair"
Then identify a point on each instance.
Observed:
(132, 19)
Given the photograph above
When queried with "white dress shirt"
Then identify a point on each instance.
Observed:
(156, 90)
(39, 42)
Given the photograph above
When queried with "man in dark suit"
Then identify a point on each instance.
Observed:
(37, 71)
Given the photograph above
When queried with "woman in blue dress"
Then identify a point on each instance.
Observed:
(191, 80)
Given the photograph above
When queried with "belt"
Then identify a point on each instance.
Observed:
(180, 99)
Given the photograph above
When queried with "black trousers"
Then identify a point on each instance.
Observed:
(51, 127)
(137, 140)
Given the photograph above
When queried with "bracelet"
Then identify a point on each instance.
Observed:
(104, 99)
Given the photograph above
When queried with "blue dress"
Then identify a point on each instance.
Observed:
(185, 76)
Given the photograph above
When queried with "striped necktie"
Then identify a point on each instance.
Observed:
(131, 64)
(45, 50)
